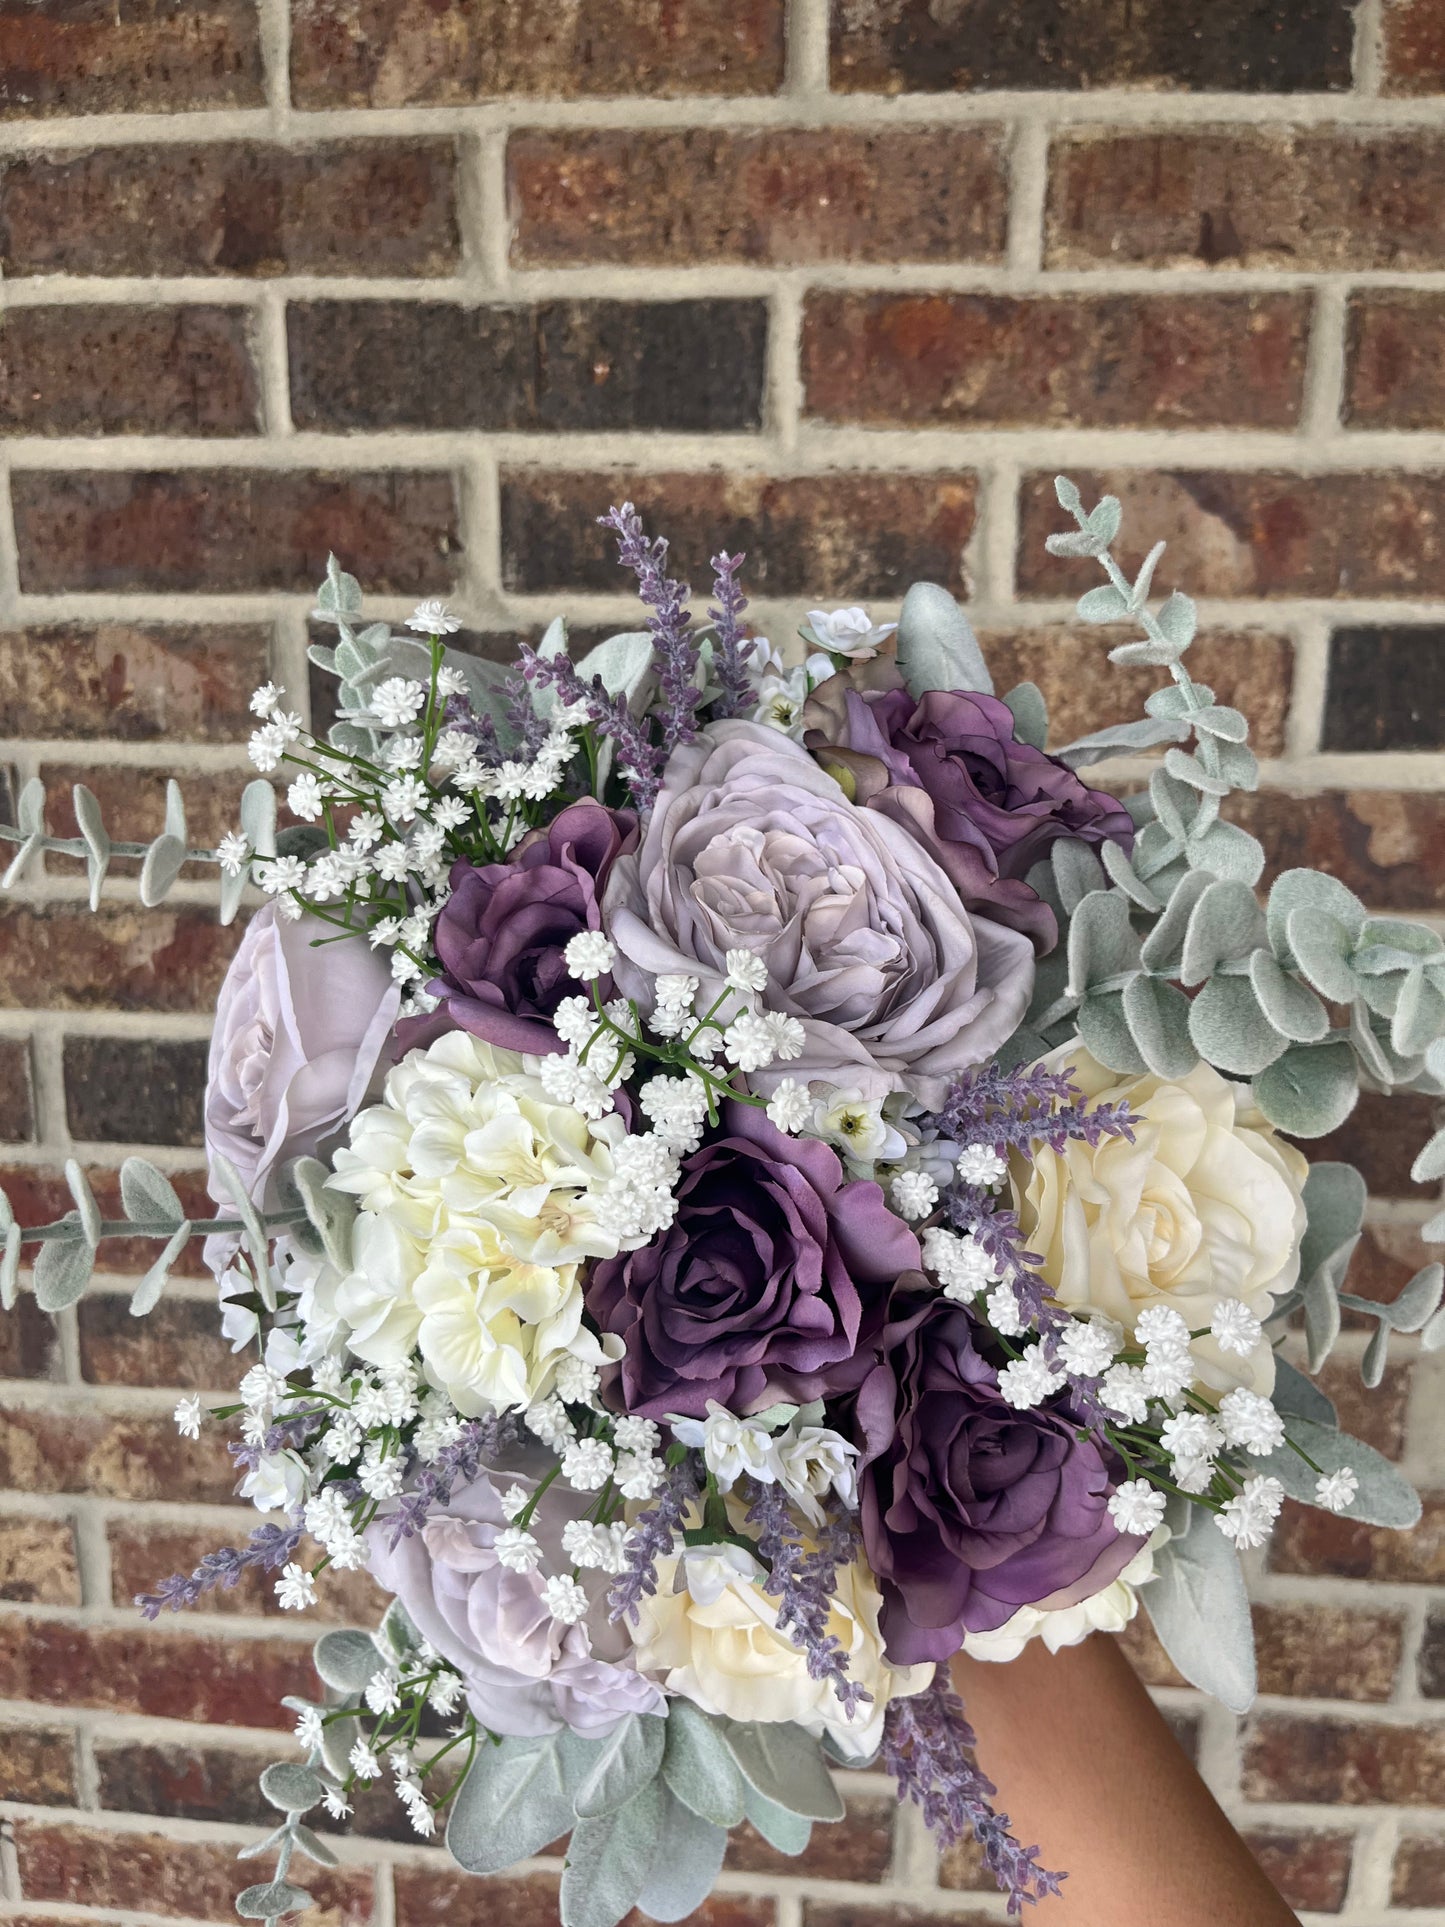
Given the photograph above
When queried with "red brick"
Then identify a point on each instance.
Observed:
(1386, 1259)
(1261, 533)
(121, 1456)
(858, 1848)
(1414, 47)
(782, 197)
(85, 1867)
(1377, 1416)
(1146, 1654)
(141, 682)
(1308, 1870)
(37, 1561)
(135, 1090)
(1250, 46)
(121, 958)
(17, 1111)
(143, 1553)
(1327, 1652)
(234, 530)
(1396, 337)
(1285, 197)
(133, 804)
(29, 1347)
(391, 53)
(127, 371)
(1110, 361)
(356, 207)
(153, 1670)
(867, 1912)
(178, 1344)
(157, 56)
(1386, 687)
(1431, 1669)
(1310, 1541)
(1418, 1877)
(825, 535)
(1084, 691)
(434, 1898)
(39, 1195)
(1387, 845)
(37, 1764)
(1323, 1760)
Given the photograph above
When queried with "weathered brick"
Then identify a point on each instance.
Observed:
(1249, 669)
(37, 1561)
(1413, 33)
(390, 53)
(142, 1552)
(153, 1670)
(581, 365)
(133, 805)
(115, 1456)
(39, 1193)
(1105, 361)
(355, 207)
(859, 1848)
(156, 56)
(1381, 1137)
(1386, 689)
(178, 1344)
(1286, 197)
(1328, 1761)
(1395, 340)
(1256, 533)
(121, 958)
(866, 1912)
(1388, 846)
(1310, 1541)
(141, 682)
(234, 530)
(427, 1897)
(777, 196)
(1308, 1870)
(29, 1343)
(1146, 1654)
(1386, 1259)
(1249, 46)
(135, 1090)
(1418, 1876)
(85, 1867)
(1328, 1652)
(120, 371)
(37, 1764)
(828, 535)
(1377, 1416)
(17, 1108)
(1432, 1658)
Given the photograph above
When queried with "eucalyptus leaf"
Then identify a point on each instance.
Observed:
(1025, 702)
(610, 1860)
(1189, 769)
(147, 1195)
(1310, 890)
(1077, 872)
(685, 1864)
(271, 1900)
(1290, 1006)
(1322, 1317)
(86, 1208)
(30, 808)
(314, 1848)
(92, 827)
(147, 1293)
(161, 867)
(332, 1213)
(1297, 1396)
(1385, 1498)
(1227, 851)
(1419, 1015)
(937, 648)
(62, 1272)
(346, 1660)
(783, 1764)
(338, 1737)
(1104, 519)
(1158, 1018)
(1200, 1609)
(1104, 604)
(292, 1787)
(1334, 1198)
(1120, 739)
(512, 1803)
(1429, 1166)
(785, 1831)
(699, 1767)
(1226, 725)
(1121, 874)
(1177, 619)
(1226, 923)
(1104, 1032)
(1163, 948)
(1229, 1028)
(10, 1268)
(1311, 1090)
(1102, 942)
(258, 817)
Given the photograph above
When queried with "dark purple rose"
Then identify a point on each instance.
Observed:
(971, 1509)
(501, 936)
(770, 1284)
(949, 768)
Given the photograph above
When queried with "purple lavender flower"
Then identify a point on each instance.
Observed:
(804, 1582)
(268, 1547)
(674, 650)
(639, 759)
(653, 1535)
(730, 658)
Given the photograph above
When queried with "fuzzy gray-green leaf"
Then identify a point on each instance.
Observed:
(1229, 1028)
(1200, 1609)
(685, 1864)
(937, 648)
(147, 1194)
(1227, 851)
(1025, 703)
(1226, 923)
(346, 1659)
(1104, 604)
(1319, 944)
(162, 865)
(1104, 1032)
(1077, 872)
(1102, 942)
(785, 1831)
(1290, 1006)
(1122, 875)
(292, 1787)
(785, 1765)
(147, 1293)
(1310, 890)
(1311, 1090)
(1163, 948)
(62, 1271)
(1158, 1018)
(271, 1900)
(610, 1858)
(699, 1767)
(512, 1803)
(97, 841)
(620, 1766)
(1385, 1497)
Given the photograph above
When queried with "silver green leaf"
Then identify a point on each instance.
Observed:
(1311, 1090)
(616, 1769)
(1104, 604)
(345, 1659)
(272, 1900)
(292, 1787)
(97, 841)
(1229, 1028)
(1290, 1006)
(1163, 948)
(10, 1267)
(62, 1271)
(1314, 891)
(1298, 1396)
(1025, 702)
(1158, 1018)
(610, 1859)
(699, 1767)
(1122, 875)
(1385, 1498)
(1104, 1032)
(312, 1847)
(937, 648)
(1077, 872)
(785, 1765)
(1119, 739)
(1178, 619)
(1226, 923)
(685, 1865)
(86, 1208)
(1227, 851)
(512, 1803)
(1200, 1609)
(147, 1194)
(1102, 943)
(147, 1293)
(785, 1831)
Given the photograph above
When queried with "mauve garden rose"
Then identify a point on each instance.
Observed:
(525, 1672)
(501, 936)
(751, 845)
(299, 1033)
(971, 1509)
(767, 1286)
(948, 767)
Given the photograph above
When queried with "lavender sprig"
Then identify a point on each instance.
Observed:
(653, 1535)
(639, 758)
(804, 1582)
(1018, 1108)
(928, 1747)
(480, 1440)
(268, 1547)
(674, 650)
(730, 658)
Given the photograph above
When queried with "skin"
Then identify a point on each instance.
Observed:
(1086, 1766)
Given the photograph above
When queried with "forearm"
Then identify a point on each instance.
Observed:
(1086, 1767)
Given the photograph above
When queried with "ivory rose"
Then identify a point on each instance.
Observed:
(1204, 1204)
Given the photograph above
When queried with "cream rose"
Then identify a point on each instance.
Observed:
(1204, 1204)
(711, 1633)
(1108, 1611)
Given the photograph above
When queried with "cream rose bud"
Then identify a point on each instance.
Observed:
(1205, 1204)
(711, 1633)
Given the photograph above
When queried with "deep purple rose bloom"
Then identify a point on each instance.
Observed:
(501, 936)
(770, 1283)
(994, 806)
(971, 1509)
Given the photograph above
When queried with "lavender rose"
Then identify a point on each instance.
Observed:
(949, 767)
(526, 1673)
(502, 933)
(752, 846)
(971, 1509)
(767, 1285)
(299, 1033)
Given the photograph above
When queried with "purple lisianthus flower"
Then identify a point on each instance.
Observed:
(505, 926)
(949, 767)
(526, 1672)
(768, 1285)
(970, 1509)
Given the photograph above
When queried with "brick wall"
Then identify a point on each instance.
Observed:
(430, 281)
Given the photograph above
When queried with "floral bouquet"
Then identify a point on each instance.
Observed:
(738, 1183)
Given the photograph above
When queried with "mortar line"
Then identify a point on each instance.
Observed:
(1367, 56)
(784, 398)
(484, 204)
(807, 51)
(271, 352)
(275, 28)
(1308, 688)
(1028, 166)
(1322, 404)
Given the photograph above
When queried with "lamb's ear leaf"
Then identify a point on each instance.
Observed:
(619, 1767)
(610, 1860)
(783, 1830)
(784, 1765)
(937, 648)
(1385, 1497)
(699, 1768)
(1299, 1397)
(687, 1862)
(1200, 1609)
(1026, 704)
(512, 1803)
